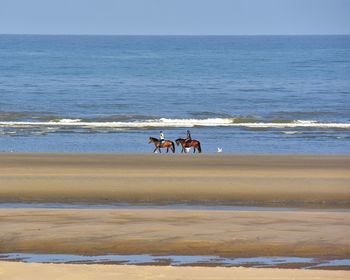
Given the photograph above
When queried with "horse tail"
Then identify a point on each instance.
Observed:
(173, 147)
(199, 147)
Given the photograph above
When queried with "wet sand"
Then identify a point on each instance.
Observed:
(176, 232)
(286, 181)
(12, 271)
(320, 181)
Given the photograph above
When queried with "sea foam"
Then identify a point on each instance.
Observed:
(166, 122)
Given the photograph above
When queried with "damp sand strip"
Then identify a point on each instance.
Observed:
(176, 232)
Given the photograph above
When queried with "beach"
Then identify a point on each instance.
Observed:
(228, 206)
(294, 180)
(12, 271)
(82, 196)
(176, 232)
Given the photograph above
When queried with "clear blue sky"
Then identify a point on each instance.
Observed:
(217, 17)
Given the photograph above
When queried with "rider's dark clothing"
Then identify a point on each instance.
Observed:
(188, 137)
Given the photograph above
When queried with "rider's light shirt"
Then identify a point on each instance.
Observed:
(161, 136)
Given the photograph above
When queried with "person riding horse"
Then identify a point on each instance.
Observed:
(161, 137)
(188, 137)
(189, 143)
(162, 143)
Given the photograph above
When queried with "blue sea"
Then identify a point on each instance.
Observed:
(242, 94)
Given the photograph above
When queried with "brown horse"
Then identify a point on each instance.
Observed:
(188, 144)
(158, 145)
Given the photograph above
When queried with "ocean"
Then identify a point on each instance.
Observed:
(241, 94)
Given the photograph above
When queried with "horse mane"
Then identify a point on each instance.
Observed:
(179, 139)
(154, 139)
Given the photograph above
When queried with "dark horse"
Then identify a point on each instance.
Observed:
(166, 144)
(192, 143)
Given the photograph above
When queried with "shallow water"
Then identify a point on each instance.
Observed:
(172, 260)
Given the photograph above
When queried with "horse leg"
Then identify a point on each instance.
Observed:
(155, 150)
(167, 150)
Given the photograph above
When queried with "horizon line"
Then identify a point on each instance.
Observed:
(169, 35)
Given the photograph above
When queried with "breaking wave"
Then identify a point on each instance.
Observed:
(174, 123)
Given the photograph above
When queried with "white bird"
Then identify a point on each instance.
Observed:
(219, 150)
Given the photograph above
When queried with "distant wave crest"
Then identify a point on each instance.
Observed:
(174, 123)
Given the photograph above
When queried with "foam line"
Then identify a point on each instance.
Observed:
(163, 122)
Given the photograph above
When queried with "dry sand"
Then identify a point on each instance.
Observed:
(105, 178)
(176, 232)
(22, 271)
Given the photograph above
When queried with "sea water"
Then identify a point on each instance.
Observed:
(174, 260)
(241, 94)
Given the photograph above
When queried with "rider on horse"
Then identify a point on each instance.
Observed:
(161, 137)
(188, 137)
(188, 143)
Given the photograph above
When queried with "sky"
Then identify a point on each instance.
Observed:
(175, 17)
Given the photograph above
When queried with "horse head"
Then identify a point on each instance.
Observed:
(178, 141)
